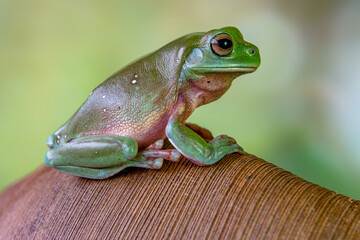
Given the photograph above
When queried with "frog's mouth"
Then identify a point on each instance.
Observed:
(226, 69)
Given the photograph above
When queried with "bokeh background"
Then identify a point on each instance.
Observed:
(300, 110)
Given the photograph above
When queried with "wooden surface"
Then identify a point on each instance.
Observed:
(241, 197)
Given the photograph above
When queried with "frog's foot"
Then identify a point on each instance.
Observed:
(219, 147)
(151, 159)
(202, 132)
(154, 163)
(149, 155)
(228, 143)
(154, 151)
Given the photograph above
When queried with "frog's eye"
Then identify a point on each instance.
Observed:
(221, 44)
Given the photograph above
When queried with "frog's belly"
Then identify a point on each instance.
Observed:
(144, 129)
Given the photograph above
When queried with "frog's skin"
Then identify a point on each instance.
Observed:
(124, 120)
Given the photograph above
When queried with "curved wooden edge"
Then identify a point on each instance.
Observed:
(239, 197)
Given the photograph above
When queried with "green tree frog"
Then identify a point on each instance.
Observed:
(125, 120)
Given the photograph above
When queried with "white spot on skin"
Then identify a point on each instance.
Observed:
(136, 75)
(104, 110)
(134, 81)
(104, 96)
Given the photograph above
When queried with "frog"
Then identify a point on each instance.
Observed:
(125, 120)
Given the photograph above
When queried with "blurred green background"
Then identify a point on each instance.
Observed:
(300, 110)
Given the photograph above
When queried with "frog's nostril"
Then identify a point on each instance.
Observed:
(252, 51)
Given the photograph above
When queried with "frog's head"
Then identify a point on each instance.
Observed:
(223, 51)
(216, 58)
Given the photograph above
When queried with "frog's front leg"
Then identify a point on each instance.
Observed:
(102, 156)
(191, 145)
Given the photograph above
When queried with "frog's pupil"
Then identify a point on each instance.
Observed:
(224, 43)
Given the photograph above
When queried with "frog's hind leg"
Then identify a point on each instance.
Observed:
(95, 151)
(101, 156)
(151, 159)
(93, 156)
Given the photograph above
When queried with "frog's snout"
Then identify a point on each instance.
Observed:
(254, 54)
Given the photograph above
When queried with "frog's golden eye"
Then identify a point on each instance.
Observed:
(221, 44)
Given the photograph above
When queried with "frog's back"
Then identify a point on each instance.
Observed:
(135, 102)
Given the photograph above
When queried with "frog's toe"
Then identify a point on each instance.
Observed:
(175, 156)
(158, 145)
(157, 163)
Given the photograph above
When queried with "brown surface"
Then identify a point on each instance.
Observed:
(240, 197)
